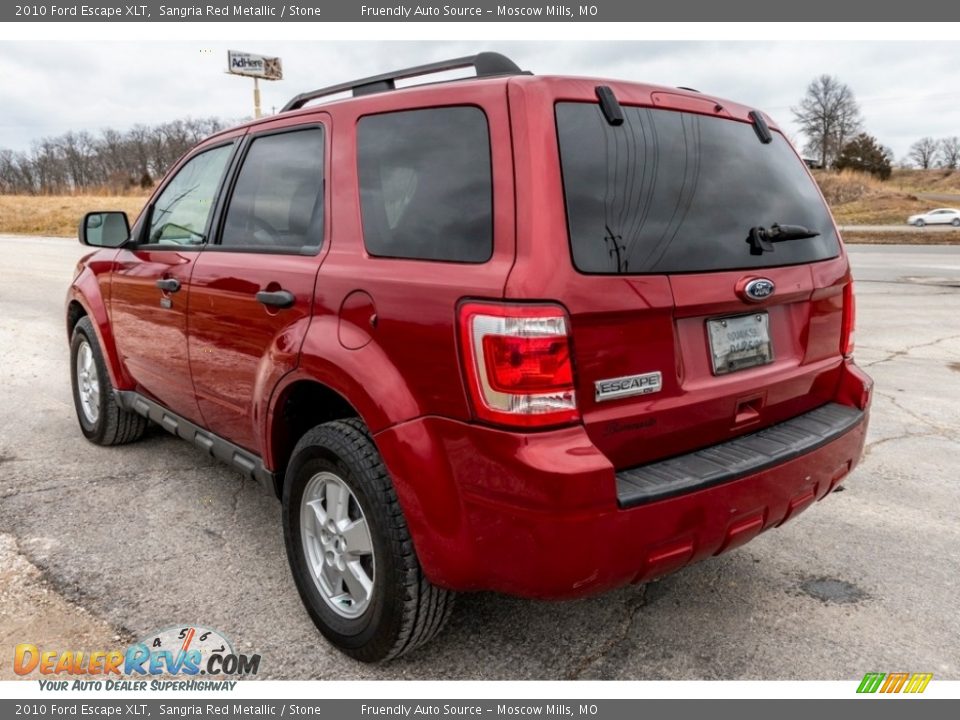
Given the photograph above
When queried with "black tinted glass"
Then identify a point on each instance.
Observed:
(277, 201)
(671, 192)
(425, 188)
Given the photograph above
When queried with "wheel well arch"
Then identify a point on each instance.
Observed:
(75, 311)
(300, 406)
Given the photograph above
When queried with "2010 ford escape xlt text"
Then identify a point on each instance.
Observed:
(544, 336)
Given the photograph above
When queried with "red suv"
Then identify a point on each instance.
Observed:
(539, 335)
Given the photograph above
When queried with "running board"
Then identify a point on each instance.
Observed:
(249, 464)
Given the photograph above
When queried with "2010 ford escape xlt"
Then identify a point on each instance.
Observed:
(539, 335)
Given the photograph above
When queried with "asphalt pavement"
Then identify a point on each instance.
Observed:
(122, 541)
(904, 228)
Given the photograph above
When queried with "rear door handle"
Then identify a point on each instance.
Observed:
(168, 284)
(276, 298)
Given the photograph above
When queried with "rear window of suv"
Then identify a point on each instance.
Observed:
(425, 184)
(673, 192)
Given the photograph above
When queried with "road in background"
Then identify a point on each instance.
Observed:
(916, 264)
(101, 545)
(901, 228)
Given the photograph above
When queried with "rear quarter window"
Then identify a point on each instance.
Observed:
(425, 184)
(675, 192)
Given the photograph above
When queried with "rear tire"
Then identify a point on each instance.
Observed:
(365, 591)
(101, 420)
(956, 222)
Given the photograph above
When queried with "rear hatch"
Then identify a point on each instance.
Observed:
(671, 351)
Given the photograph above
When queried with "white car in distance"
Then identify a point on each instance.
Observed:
(941, 216)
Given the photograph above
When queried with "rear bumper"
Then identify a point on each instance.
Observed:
(738, 458)
(539, 515)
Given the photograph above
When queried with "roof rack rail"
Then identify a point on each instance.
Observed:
(487, 64)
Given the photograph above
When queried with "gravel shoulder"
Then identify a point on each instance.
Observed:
(32, 610)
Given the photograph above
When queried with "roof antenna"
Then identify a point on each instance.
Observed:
(610, 105)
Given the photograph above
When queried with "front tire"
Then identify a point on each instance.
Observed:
(101, 420)
(350, 550)
(920, 223)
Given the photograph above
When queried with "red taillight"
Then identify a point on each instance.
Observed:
(518, 363)
(527, 364)
(849, 320)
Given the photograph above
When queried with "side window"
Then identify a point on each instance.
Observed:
(425, 187)
(277, 202)
(180, 214)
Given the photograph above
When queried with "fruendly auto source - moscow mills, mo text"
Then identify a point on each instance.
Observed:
(501, 11)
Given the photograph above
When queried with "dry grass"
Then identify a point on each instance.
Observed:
(846, 186)
(861, 199)
(880, 209)
(927, 181)
(58, 215)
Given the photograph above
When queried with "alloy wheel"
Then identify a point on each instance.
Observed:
(88, 383)
(337, 544)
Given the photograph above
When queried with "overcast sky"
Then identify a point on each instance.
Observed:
(906, 89)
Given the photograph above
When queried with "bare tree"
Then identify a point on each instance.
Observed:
(78, 155)
(26, 173)
(829, 117)
(923, 152)
(49, 169)
(8, 171)
(116, 168)
(78, 161)
(950, 152)
(138, 148)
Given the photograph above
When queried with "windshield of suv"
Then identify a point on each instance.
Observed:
(671, 192)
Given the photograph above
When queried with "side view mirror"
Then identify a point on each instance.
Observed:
(109, 229)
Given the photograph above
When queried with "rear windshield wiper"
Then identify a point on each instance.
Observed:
(761, 239)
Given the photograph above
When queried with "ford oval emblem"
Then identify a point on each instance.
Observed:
(759, 289)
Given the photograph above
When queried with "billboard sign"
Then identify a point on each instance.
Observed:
(252, 65)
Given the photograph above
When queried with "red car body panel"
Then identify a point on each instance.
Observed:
(545, 508)
(151, 341)
(90, 290)
(239, 349)
(527, 513)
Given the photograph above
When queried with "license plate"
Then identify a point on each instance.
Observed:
(740, 342)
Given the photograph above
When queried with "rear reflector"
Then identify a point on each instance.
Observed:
(849, 320)
(518, 364)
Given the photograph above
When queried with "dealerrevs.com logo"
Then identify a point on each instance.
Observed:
(189, 651)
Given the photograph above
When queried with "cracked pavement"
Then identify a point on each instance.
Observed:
(104, 543)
